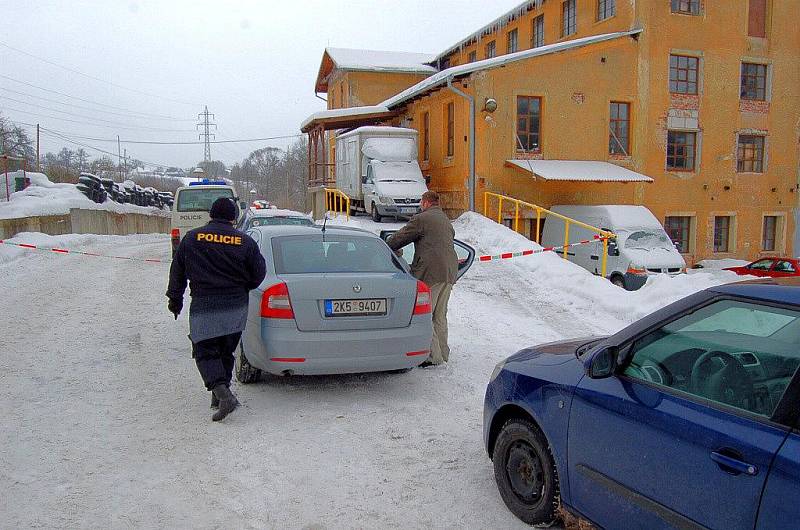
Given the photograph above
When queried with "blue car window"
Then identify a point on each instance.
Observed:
(730, 352)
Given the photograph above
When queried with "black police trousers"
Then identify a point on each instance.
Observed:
(215, 360)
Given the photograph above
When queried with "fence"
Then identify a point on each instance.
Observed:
(80, 221)
(336, 201)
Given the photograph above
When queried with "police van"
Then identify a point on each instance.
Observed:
(193, 203)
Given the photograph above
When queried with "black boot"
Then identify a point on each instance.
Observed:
(227, 402)
(214, 401)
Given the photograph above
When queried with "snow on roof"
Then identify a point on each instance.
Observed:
(381, 61)
(344, 113)
(493, 26)
(464, 69)
(579, 170)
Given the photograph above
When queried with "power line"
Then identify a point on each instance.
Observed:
(91, 124)
(144, 114)
(87, 146)
(78, 115)
(124, 114)
(68, 69)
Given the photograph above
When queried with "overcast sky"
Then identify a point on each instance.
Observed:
(252, 62)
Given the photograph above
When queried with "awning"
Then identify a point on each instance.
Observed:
(577, 170)
(347, 118)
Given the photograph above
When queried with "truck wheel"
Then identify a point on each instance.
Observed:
(375, 215)
(618, 280)
(245, 372)
(525, 472)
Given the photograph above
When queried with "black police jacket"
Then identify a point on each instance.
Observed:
(216, 259)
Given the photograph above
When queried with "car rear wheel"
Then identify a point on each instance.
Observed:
(525, 472)
(618, 280)
(245, 372)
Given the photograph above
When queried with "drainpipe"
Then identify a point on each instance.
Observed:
(471, 183)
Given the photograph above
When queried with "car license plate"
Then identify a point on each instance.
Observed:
(408, 210)
(373, 306)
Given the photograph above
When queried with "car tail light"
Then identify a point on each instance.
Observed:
(418, 353)
(176, 233)
(275, 302)
(422, 306)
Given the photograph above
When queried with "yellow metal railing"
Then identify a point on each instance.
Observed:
(336, 201)
(518, 205)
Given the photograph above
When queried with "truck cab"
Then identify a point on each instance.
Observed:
(192, 205)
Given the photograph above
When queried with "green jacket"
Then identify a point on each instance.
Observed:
(432, 233)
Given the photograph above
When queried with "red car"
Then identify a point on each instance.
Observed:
(770, 268)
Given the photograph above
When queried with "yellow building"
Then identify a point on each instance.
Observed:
(688, 107)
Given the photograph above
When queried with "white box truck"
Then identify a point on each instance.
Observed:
(377, 168)
(642, 247)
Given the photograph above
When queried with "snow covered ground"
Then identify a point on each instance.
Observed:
(43, 197)
(106, 423)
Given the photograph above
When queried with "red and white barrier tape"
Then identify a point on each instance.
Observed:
(66, 251)
(510, 255)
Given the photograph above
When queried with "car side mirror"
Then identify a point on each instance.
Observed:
(602, 362)
(613, 249)
(242, 205)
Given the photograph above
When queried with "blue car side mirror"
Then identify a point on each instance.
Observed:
(602, 362)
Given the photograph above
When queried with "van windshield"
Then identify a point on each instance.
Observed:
(200, 200)
(648, 240)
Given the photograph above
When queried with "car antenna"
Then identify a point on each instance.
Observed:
(324, 222)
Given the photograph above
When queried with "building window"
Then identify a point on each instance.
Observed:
(512, 41)
(537, 38)
(683, 74)
(757, 18)
(678, 229)
(472, 57)
(568, 18)
(426, 136)
(605, 9)
(722, 232)
(770, 233)
(619, 127)
(681, 150)
(491, 50)
(754, 81)
(451, 129)
(750, 154)
(686, 7)
(529, 123)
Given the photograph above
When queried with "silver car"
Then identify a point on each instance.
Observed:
(334, 301)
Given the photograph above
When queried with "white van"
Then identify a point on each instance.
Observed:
(193, 203)
(642, 247)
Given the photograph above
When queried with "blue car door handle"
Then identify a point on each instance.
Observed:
(733, 464)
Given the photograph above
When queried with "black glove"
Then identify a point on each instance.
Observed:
(175, 306)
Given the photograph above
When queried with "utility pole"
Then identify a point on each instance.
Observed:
(37, 148)
(207, 135)
(125, 158)
(119, 157)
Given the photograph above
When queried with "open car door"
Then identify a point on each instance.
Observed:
(465, 253)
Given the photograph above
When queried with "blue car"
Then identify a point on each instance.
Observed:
(686, 419)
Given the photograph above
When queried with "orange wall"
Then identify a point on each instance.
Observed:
(367, 88)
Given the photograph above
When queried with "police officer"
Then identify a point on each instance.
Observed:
(222, 265)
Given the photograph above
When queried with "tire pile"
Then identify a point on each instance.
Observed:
(100, 190)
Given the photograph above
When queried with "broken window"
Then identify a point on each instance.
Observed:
(529, 123)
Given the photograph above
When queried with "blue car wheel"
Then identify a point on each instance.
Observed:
(525, 472)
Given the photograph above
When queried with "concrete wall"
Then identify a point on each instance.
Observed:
(87, 222)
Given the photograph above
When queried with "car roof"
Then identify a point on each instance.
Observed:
(274, 212)
(780, 290)
(296, 230)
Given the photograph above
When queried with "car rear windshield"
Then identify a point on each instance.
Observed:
(272, 221)
(311, 254)
(200, 200)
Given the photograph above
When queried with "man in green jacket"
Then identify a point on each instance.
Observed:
(435, 263)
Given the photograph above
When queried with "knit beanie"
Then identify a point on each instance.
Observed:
(223, 209)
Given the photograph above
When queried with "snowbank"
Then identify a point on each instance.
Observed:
(82, 242)
(43, 197)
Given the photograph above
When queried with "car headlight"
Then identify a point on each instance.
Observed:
(497, 369)
(387, 200)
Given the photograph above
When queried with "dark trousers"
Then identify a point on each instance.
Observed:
(215, 360)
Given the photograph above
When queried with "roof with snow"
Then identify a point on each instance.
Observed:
(440, 79)
(578, 170)
(371, 61)
(347, 118)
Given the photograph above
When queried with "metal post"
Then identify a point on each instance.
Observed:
(471, 182)
(566, 238)
(516, 218)
(605, 257)
(486, 204)
(500, 211)
(538, 230)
